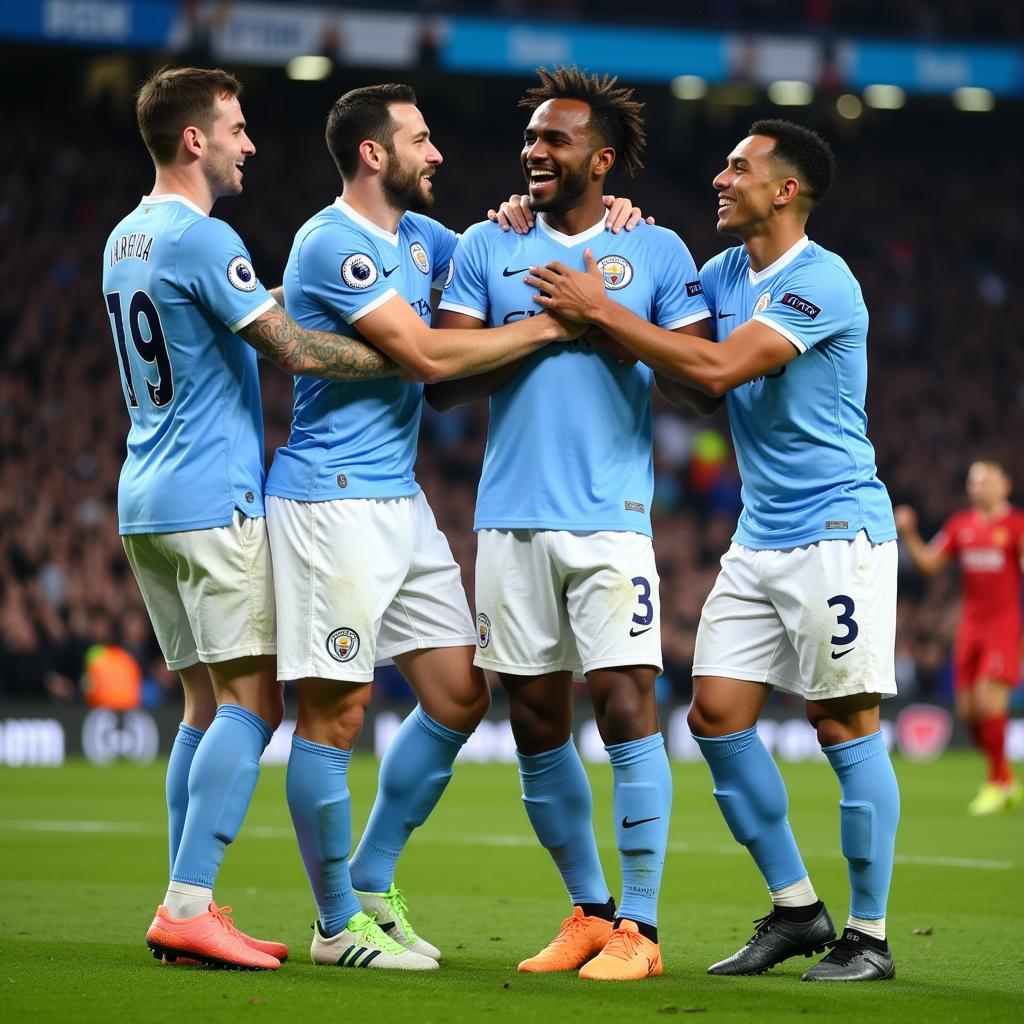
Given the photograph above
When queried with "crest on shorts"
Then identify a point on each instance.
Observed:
(483, 631)
(419, 257)
(359, 271)
(343, 644)
(241, 274)
(763, 303)
(617, 272)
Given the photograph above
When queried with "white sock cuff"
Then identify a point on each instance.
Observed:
(799, 894)
(876, 928)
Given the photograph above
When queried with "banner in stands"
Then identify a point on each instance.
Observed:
(272, 34)
(45, 735)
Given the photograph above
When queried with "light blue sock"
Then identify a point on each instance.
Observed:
(753, 800)
(413, 774)
(178, 765)
(869, 812)
(642, 800)
(317, 788)
(557, 796)
(221, 781)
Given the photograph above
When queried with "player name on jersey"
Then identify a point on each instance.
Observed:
(137, 246)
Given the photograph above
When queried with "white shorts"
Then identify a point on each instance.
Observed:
(818, 621)
(360, 581)
(209, 593)
(551, 600)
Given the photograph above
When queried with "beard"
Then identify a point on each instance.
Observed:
(403, 188)
(570, 187)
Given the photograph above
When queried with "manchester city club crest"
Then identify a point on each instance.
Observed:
(483, 631)
(419, 257)
(343, 644)
(617, 272)
(359, 271)
(763, 303)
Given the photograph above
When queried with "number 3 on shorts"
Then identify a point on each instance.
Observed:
(644, 600)
(844, 618)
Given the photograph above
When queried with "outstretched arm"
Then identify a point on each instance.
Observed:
(439, 354)
(449, 394)
(750, 351)
(296, 349)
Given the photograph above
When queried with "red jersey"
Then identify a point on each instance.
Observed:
(989, 552)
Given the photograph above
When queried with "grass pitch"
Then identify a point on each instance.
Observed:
(83, 863)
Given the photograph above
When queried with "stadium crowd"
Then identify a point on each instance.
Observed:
(933, 258)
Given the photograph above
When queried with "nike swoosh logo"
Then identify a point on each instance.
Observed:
(640, 632)
(836, 655)
(513, 273)
(722, 316)
(626, 823)
(388, 273)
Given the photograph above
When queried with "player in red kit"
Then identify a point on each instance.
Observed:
(988, 541)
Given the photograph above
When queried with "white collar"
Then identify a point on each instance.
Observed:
(172, 197)
(364, 222)
(570, 240)
(783, 261)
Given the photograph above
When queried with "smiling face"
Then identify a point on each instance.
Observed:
(227, 147)
(561, 156)
(412, 161)
(752, 187)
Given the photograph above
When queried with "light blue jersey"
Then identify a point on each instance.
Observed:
(800, 433)
(177, 284)
(569, 440)
(356, 439)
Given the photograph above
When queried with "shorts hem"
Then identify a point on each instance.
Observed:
(181, 663)
(524, 670)
(285, 676)
(630, 661)
(845, 691)
(745, 675)
(387, 654)
(248, 651)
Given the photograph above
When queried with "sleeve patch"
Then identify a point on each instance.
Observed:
(242, 275)
(449, 277)
(693, 288)
(794, 301)
(359, 271)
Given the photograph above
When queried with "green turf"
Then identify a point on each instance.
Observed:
(83, 864)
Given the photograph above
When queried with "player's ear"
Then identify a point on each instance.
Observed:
(788, 191)
(193, 140)
(603, 160)
(371, 154)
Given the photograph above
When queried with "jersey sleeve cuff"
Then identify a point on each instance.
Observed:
(373, 304)
(455, 307)
(246, 319)
(685, 321)
(784, 331)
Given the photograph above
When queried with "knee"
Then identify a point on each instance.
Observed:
(473, 705)
(831, 731)
(534, 731)
(706, 720)
(625, 706)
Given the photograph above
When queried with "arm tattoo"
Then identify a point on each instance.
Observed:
(297, 349)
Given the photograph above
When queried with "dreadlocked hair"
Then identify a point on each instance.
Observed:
(615, 117)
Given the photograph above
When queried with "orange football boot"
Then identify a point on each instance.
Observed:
(627, 956)
(579, 939)
(209, 938)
